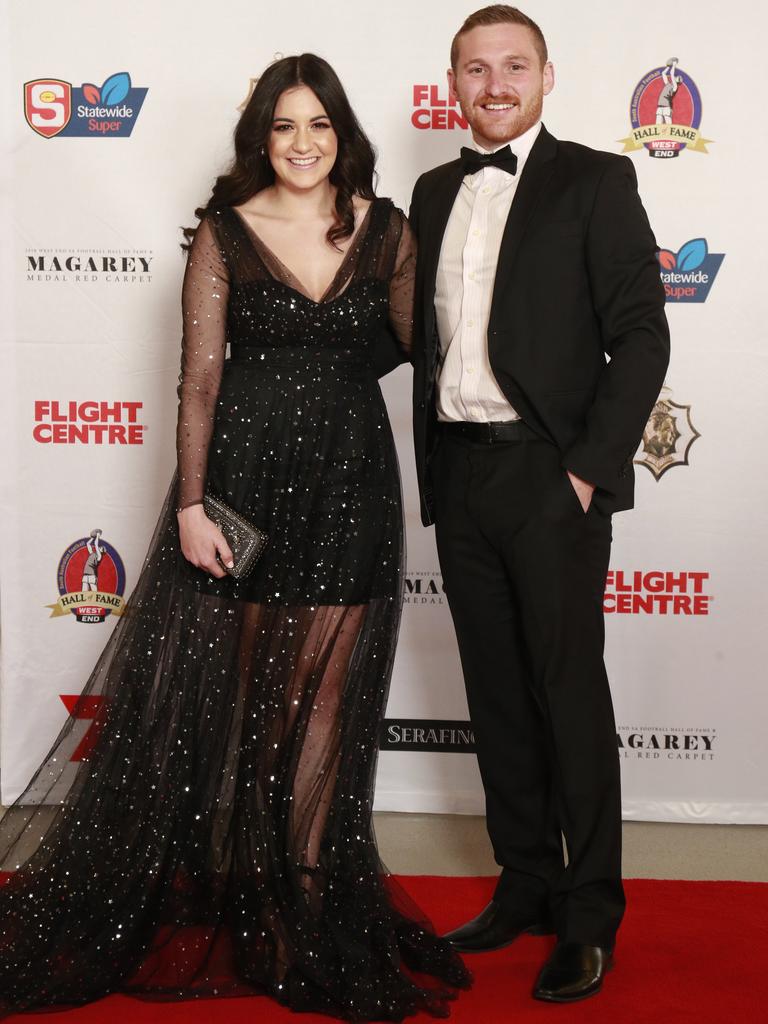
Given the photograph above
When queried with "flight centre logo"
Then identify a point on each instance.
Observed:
(434, 107)
(668, 436)
(91, 580)
(54, 107)
(656, 592)
(687, 275)
(665, 113)
(95, 422)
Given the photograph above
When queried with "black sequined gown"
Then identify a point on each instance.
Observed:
(217, 839)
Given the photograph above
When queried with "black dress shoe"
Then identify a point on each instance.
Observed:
(573, 972)
(495, 928)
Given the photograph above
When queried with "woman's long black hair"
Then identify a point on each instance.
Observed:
(251, 170)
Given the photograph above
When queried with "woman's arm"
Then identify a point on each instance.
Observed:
(205, 295)
(402, 287)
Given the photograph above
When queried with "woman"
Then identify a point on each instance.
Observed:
(217, 839)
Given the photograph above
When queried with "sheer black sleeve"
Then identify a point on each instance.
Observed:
(204, 307)
(402, 286)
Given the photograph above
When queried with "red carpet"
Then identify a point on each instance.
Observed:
(688, 951)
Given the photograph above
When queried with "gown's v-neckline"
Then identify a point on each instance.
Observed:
(256, 240)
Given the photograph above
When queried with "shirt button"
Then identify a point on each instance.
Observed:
(471, 275)
(470, 369)
(486, 190)
(476, 233)
(470, 323)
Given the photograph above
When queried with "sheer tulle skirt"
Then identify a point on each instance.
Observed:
(216, 839)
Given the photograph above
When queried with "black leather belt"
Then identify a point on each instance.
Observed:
(489, 433)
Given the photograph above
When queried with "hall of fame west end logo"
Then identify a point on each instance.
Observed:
(668, 436)
(91, 580)
(665, 113)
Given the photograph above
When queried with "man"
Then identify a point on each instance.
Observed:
(535, 264)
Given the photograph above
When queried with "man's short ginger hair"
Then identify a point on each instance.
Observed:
(500, 14)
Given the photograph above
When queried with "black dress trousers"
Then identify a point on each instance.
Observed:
(524, 570)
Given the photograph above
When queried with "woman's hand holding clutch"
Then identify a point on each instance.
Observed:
(201, 541)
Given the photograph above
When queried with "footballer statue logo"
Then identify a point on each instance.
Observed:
(667, 437)
(665, 113)
(91, 580)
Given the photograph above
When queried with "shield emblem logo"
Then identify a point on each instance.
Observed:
(667, 437)
(47, 105)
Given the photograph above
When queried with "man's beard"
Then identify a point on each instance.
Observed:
(501, 129)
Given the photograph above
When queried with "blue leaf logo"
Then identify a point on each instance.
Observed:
(692, 254)
(115, 89)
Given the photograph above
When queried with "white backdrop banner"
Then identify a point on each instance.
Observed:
(116, 119)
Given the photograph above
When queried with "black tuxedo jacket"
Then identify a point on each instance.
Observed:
(577, 338)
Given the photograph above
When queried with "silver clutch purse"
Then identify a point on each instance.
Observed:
(246, 540)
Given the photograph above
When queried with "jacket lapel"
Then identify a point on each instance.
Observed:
(538, 169)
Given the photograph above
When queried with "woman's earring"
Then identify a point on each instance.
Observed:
(262, 151)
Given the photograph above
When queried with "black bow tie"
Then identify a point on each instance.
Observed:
(472, 161)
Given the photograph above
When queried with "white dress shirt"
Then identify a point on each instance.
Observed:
(466, 387)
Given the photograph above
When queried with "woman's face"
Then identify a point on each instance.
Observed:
(302, 144)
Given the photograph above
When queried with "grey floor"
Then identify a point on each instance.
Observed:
(442, 844)
(452, 844)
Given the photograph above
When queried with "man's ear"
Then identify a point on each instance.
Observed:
(451, 76)
(548, 78)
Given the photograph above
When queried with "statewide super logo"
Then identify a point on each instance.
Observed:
(54, 107)
(91, 579)
(666, 113)
(688, 275)
(668, 436)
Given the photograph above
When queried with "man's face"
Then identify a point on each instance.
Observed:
(499, 82)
